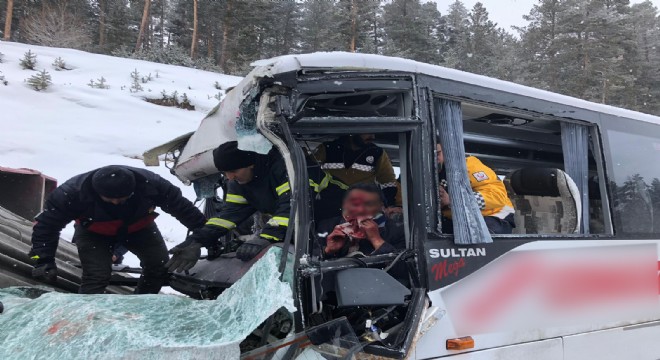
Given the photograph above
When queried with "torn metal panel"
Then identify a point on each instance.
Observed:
(219, 127)
(150, 157)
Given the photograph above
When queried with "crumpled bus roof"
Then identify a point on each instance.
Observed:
(338, 60)
(219, 126)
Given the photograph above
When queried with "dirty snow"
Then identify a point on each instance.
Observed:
(71, 128)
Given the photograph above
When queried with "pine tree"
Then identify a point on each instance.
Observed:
(120, 23)
(180, 23)
(40, 81)
(539, 45)
(353, 23)
(482, 42)
(645, 61)
(375, 34)
(59, 64)
(455, 35)
(29, 60)
(412, 30)
(317, 29)
(285, 31)
(654, 191)
(634, 204)
(505, 63)
(135, 82)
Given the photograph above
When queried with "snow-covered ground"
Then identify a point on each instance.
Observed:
(71, 128)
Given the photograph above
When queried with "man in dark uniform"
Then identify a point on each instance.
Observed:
(355, 159)
(256, 183)
(112, 206)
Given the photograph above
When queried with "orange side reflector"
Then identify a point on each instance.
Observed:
(462, 343)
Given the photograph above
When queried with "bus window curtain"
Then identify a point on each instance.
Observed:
(469, 225)
(575, 145)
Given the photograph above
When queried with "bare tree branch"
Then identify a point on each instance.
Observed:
(56, 26)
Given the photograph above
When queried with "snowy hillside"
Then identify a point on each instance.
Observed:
(71, 128)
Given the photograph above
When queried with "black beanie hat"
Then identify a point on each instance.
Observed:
(113, 181)
(228, 157)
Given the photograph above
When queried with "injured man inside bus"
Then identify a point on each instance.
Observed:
(489, 190)
(362, 229)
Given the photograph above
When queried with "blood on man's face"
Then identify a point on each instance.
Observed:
(361, 203)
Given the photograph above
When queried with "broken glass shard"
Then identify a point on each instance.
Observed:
(71, 326)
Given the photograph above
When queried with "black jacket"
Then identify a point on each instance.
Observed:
(366, 165)
(76, 200)
(269, 192)
(391, 231)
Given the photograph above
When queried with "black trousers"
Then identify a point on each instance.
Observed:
(95, 252)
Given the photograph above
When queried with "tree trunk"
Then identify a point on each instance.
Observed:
(353, 25)
(149, 36)
(162, 23)
(193, 44)
(209, 43)
(143, 24)
(226, 27)
(102, 10)
(10, 10)
(376, 50)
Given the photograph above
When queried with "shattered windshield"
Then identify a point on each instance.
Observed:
(234, 119)
(68, 326)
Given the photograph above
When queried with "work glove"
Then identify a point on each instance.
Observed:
(208, 235)
(184, 256)
(45, 271)
(214, 251)
(251, 248)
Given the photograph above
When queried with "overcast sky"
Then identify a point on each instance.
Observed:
(507, 13)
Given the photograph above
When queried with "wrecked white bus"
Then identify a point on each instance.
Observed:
(577, 279)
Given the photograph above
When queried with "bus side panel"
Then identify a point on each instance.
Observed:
(550, 349)
(639, 342)
(501, 294)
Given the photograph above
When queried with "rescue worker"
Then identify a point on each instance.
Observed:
(355, 159)
(489, 191)
(112, 206)
(256, 183)
(363, 228)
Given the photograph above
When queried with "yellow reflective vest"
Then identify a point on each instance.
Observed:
(489, 190)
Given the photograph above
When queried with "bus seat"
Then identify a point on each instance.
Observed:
(546, 201)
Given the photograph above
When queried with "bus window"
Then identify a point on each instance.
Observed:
(635, 183)
(549, 169)
(376, 103)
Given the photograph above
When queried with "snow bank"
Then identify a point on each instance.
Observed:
(71, 128)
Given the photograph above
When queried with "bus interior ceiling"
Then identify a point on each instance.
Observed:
(505, 141)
